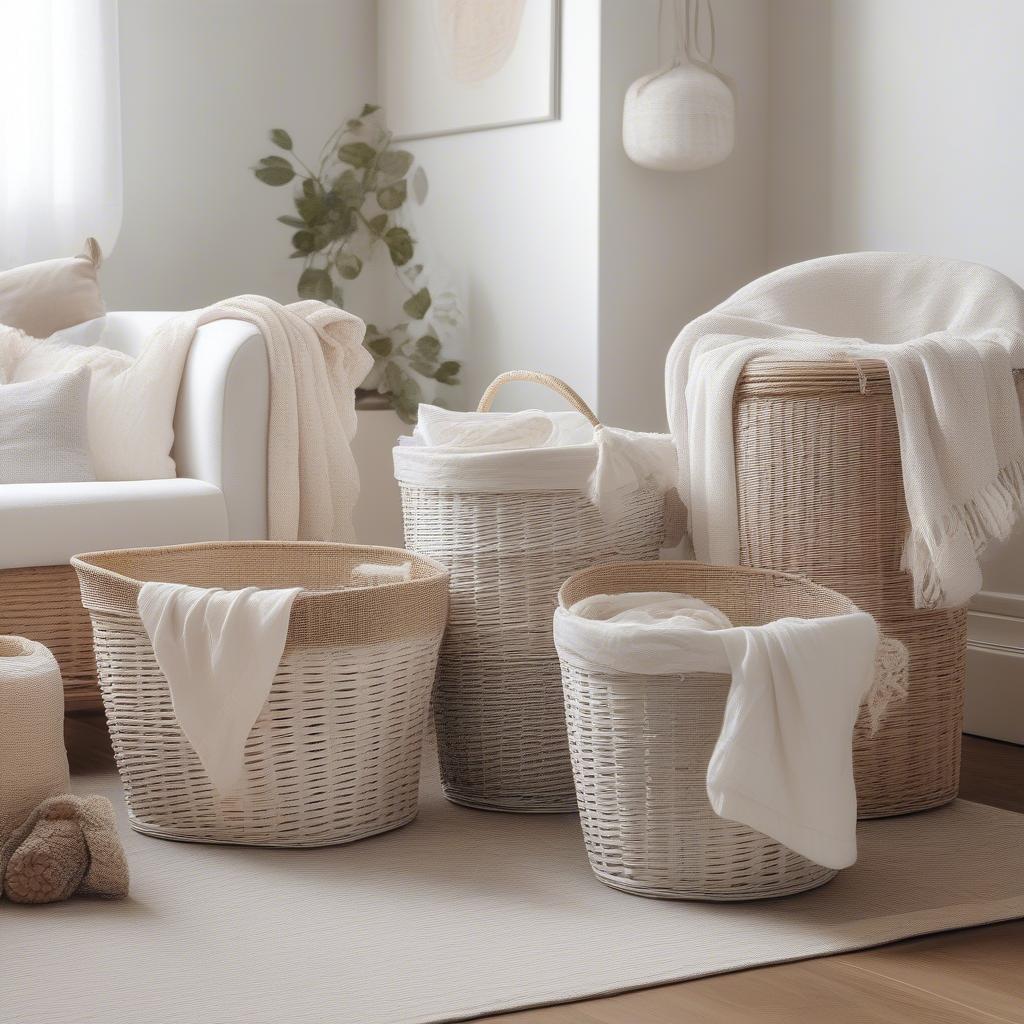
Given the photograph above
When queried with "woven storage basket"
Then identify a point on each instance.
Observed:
(641, 744)
(335, 753)
(820, 492)
(498, 700)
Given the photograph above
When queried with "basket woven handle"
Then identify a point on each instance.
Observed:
(531, 376)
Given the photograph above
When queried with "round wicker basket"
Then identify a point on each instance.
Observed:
(641, 744)
(335, 753)
(820, 492)
(498, 699)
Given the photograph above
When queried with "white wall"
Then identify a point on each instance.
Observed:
(673, 245)
(895, 124)
(202, 81)
(515, 212)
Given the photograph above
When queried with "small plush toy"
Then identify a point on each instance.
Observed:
(67, 845)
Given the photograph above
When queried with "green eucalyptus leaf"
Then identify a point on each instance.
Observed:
(448, 372)
(423, 367)
(274, 170)
(349, 265)
(368, 109)
(305, 241)
(418, 304)
(279, 137)
(380, 347)
(310, 187)
(358, 154)
(379, 223)
(394, 163)
(315, 283)
(428, 347)
(391, 197)
(292, 222)
(400, 245)
(348, 188)
(311, 209)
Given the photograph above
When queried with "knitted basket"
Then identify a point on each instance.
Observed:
(641, 744)
(498, 700)
(335, 753)
(820, 492)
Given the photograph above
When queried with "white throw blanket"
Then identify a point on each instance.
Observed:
(219, 650)
(535, 450)
(950, 333)
(316, 361)
(783, 763)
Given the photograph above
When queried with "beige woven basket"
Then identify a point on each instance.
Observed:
(498, 700)
(820, 492)
(641, 744)
(335, 753)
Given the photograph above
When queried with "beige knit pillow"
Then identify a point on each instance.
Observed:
(41, 298)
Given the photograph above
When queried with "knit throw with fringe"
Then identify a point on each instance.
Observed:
(950, 333)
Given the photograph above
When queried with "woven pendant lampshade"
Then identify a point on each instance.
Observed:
(681, 117)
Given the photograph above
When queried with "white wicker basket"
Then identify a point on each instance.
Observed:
(641, 744)
(335, 753)
(498, 701)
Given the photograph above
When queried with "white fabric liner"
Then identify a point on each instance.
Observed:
(533, 450)
(783, 763)
(460, 914)
(950, 333)
(219, 650)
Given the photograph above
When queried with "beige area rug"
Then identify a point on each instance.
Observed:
(459, 914)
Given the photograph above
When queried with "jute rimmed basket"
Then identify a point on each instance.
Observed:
(335, 753)
(498, 699)
(820, 492)
(44, 604)
(641, 744)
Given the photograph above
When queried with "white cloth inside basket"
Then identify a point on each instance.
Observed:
(783, 762)
(535, 450)
(950, 333)
(219, 650)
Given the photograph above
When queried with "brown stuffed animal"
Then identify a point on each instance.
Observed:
(68, 845)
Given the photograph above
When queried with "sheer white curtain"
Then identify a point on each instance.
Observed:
(60, 128)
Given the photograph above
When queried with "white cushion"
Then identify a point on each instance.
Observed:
(45, 524)
(43, 429)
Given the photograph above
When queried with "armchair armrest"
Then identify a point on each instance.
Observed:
(221, 421)
(223, 411)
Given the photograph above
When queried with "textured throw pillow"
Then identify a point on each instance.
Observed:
(44, 430)
(41, 298)
(88, 333)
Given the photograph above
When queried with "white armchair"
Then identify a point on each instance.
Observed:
(220, 493)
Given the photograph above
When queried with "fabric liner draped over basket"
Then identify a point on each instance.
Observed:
(510, 526)
(820, 479)
(335, 753)
(642, 733)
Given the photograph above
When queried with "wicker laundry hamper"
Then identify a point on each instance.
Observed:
(498, 699)
(641, 744)
(820, 492)
(335, 753)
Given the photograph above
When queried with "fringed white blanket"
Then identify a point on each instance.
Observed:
(950, 333)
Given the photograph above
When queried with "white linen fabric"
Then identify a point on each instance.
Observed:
(219, 650)
(44, 430)
(950, 333)
(783, 763)
(534, 450)
(316, 360)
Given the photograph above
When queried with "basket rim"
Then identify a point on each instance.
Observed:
(86, 562)
(748, 570)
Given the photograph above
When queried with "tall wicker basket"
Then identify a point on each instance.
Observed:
(498, 698)
(335, 753)
(641, 745)
(820, 492)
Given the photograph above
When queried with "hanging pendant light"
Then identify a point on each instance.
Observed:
(681, 117)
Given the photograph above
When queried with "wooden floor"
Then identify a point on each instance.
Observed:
(972, 975)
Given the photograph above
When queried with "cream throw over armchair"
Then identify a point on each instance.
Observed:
(220, 451)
